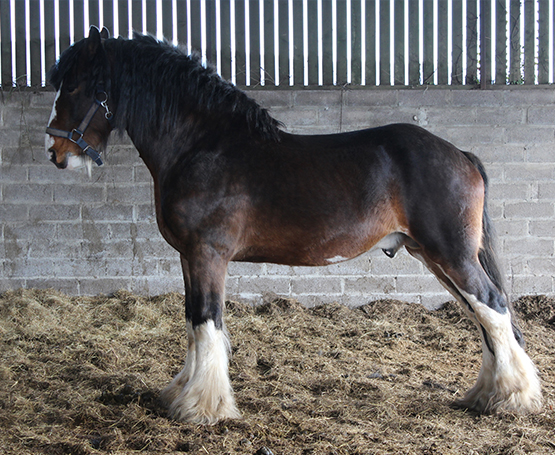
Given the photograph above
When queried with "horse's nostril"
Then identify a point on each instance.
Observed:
(52, 153)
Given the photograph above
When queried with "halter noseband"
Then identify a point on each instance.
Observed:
(76, 135)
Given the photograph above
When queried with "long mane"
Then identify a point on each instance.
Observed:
(96, 71)
(159, 89)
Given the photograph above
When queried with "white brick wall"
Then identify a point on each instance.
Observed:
(88, 236)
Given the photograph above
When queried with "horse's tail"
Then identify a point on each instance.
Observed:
(487, 255)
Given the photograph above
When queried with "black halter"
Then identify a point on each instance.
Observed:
(76, 135)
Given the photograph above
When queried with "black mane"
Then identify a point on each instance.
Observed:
(158, 89)
(96, 71)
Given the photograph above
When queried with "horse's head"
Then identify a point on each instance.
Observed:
(80, 124)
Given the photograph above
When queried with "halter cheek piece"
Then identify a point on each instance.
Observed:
(76, 135)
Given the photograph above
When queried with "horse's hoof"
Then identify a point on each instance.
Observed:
(526, 401)
(202, 416)
(169, 395)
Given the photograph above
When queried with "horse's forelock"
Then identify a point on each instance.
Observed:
(65, 63)
(95, 68)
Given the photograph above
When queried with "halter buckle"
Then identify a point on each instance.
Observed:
(76, 132)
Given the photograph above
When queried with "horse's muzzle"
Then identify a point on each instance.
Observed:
(61, 165)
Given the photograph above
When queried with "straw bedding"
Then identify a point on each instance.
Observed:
(82, 375)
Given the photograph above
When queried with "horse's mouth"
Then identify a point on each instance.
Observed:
(61, 165)
(72, 162)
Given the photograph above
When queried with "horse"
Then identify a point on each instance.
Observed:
(231, 185)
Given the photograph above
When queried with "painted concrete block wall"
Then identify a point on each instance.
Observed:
(84, 235)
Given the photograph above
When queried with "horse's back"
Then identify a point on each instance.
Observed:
(371, 162)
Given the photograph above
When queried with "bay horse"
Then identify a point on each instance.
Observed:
(231, 185)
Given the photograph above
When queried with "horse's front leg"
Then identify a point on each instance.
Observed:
(172, 391)
(201, 392)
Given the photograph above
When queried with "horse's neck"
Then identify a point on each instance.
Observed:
(153, 156)
(161, 151)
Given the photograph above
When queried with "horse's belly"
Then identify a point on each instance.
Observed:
(319, 252)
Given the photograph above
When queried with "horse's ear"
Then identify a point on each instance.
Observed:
(94, 40)
(104, 33)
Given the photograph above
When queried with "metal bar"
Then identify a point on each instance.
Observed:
(457, 49)
(543, 57)
(501, 51)
(485, 36)
(399, 42)
(529, 44)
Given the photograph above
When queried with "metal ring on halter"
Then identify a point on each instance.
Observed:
(101, 92)
(104, 103)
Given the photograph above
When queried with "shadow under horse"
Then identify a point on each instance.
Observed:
(230, 185)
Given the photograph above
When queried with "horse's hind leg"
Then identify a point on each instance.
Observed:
(508, 379)
(201, 392)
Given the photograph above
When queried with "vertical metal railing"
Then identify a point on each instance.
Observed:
(303, 42)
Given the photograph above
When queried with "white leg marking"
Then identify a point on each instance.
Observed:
(508, 379)
(207, 397)
(172, 391)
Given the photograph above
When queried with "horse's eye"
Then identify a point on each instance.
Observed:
(71, 87)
